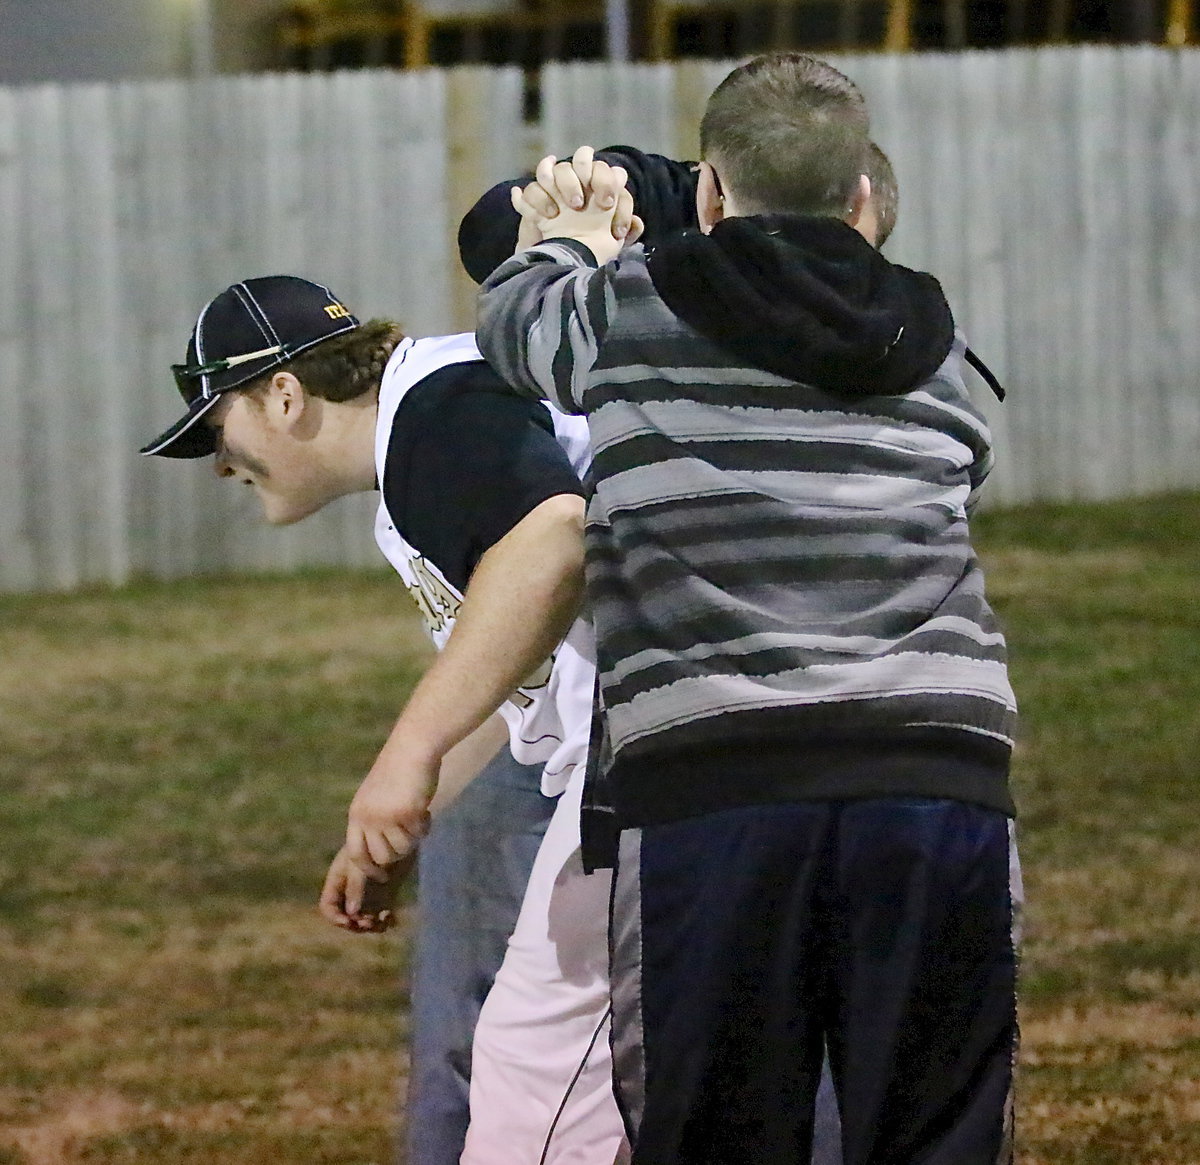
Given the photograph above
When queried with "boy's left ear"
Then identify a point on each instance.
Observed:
(859, 199)
(286, 400)
(710, 203)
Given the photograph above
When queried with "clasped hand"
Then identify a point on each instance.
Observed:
(584, 199)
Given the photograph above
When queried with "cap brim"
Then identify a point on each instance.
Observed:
(189, 436)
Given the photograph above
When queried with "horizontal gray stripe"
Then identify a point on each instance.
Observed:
(880, 610)
(798, 546)
(751, 513)
(711, 374)
(686, 420)
(960, 412)
(650, 485)
(907, 674)
(861, 645)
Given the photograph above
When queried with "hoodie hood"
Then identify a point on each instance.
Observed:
(809, 299)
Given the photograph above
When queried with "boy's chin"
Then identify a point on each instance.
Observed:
(281, 512)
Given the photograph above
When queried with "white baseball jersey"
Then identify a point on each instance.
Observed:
(549, 716)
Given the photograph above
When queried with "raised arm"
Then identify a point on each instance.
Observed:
(545, 312)
(542, 316)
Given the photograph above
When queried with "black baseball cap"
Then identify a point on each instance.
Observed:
(250, 328)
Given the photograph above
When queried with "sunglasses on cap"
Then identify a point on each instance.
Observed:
(187, 374)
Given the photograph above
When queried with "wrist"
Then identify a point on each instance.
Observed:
(599, 241)
(410, 748)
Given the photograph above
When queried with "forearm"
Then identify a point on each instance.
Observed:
(466, 760)
(521, 600)
(542, 316)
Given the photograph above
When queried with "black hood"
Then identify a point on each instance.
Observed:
(809, 299)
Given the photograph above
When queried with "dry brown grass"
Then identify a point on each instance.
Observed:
(266, 1035)
(175, 761)
(1102, 607)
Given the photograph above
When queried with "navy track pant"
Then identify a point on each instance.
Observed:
(745, 940)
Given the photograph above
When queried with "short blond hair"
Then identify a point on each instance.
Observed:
(787, 133)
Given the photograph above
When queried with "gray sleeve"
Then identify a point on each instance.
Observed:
(542, 317)
(969, 424)
(979, 471)
(985, 458)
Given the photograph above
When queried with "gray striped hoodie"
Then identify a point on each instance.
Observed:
(785, 597)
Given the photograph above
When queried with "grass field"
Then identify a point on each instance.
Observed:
(175, 762)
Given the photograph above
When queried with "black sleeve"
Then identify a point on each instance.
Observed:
(664, 196)
(467, 460)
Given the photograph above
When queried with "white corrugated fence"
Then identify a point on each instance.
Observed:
(1056, 193)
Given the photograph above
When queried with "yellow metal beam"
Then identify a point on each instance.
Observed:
(1180, 29)
(898, 35)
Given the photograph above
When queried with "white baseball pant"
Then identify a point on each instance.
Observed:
(541, 1071)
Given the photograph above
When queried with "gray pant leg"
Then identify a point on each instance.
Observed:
(827, 1127)
(472, 872)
